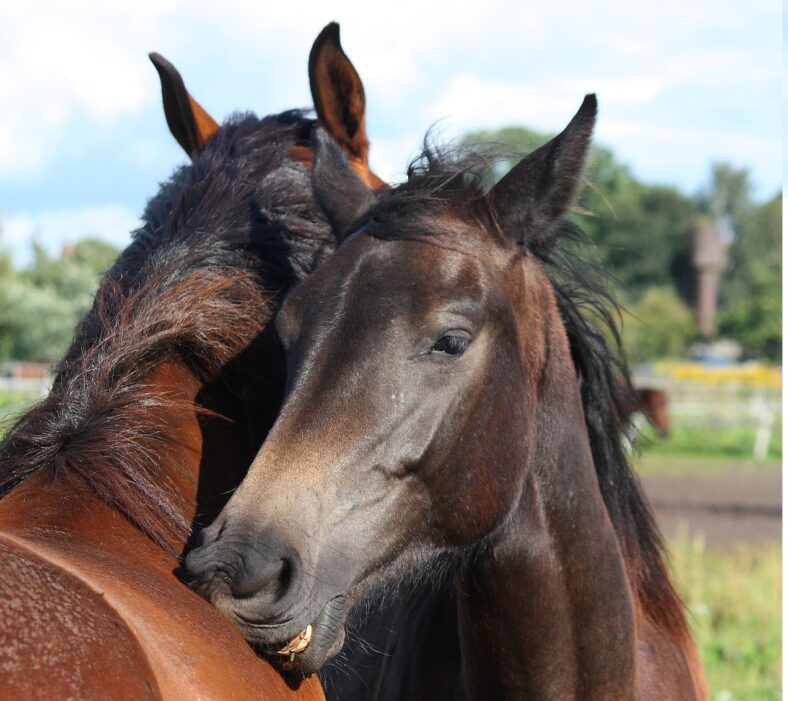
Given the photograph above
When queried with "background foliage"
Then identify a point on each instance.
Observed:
(41, 304)
(643, 233)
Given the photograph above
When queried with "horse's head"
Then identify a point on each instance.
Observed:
(416, 358)
(242, 210)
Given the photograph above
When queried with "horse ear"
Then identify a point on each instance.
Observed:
(338, 95)
(341, 194)
(189, 123)
(534, 194)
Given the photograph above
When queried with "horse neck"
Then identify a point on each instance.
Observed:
(180, 470)
(211, 441)
(546, 610)
(202, 450)
(82, 500)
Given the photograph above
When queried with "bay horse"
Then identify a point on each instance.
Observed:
(643, 404)
(451, 412)
(653, 404)
(166, 392)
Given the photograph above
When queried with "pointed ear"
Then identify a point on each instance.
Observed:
(338, 94)
(189, 123)
(340, 193)
(534, 194)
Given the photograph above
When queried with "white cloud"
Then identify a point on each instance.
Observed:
(389, 158)
(53, 229)
(476, 64)
(84, 62)
(470, 101)
(64, 62)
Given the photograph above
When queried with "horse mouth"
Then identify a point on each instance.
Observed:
(312, 647)
(297, 644)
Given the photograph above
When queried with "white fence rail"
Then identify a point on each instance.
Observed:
(689, 404)
(37, 386)
(729, 405)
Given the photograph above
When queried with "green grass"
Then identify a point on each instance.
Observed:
(11, 405)
(727, 443)
(734, 602)
(10, 400)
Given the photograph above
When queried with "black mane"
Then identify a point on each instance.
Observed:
(244, 191)
(220, 240)
(439, 180)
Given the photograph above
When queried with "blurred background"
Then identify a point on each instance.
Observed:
(684, 205)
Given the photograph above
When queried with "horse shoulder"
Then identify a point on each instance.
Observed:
(60, 639)
(166, 634)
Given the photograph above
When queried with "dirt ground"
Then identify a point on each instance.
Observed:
(736, 504)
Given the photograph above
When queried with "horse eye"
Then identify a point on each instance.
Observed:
(451, 345)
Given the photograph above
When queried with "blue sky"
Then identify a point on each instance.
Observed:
(83, 141)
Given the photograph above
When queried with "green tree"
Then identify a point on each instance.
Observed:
(728, 193)
(751, 290)
(95, 254)
(35, 323)
(659, 325)
(643, 233)
(41, 305)
(6, 262)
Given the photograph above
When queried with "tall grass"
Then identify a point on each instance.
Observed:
(728, 442)
(734, 603)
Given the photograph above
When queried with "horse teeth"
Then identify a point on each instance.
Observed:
(297, 644)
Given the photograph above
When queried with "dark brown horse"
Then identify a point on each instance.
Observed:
(452, 413)
(170, 385)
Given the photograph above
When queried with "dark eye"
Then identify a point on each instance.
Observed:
(451, 344)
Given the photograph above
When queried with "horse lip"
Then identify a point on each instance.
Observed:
(252, 622)
(325, 640)
(297, 644)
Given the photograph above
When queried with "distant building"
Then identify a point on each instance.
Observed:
(710, 243)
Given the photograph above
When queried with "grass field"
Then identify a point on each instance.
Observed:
(13, 401)
(11, 405)
(734, 601)
(676, 464)
(723, 442)
(733, 596)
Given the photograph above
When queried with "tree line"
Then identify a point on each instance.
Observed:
(643, 236)
(40, 304)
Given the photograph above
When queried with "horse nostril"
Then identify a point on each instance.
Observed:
(264, 571)
(286, 575)
(252, 581)
(267, 576)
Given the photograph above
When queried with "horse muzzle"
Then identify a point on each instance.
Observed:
(263, 590)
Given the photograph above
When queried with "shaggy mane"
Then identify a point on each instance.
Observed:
(197, 284)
